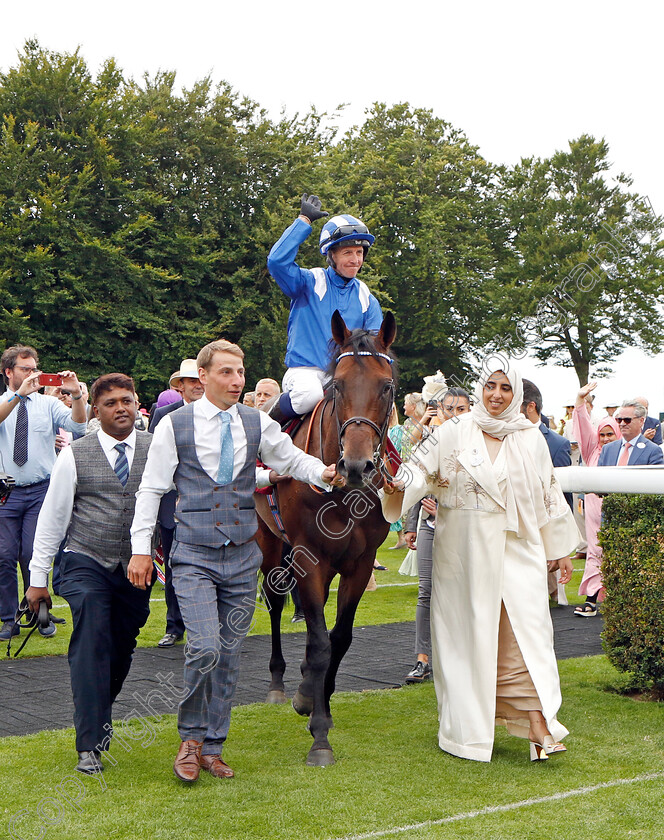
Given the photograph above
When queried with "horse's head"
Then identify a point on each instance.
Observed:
(363, 389)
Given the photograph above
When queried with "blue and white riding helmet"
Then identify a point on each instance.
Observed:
(344, 228)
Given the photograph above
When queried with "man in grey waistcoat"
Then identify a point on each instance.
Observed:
(91, 500)
(207, 450)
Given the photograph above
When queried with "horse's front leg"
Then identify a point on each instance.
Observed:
(351, 590)
(310, 696)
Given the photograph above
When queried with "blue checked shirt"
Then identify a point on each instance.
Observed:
(45, 416)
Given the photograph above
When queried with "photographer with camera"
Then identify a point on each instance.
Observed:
(29, 423)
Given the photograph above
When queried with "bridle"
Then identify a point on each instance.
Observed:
(381, 430)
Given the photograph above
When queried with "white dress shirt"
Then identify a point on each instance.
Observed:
(276, 450)
(55, 513)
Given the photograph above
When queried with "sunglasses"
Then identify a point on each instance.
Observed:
(624, 419)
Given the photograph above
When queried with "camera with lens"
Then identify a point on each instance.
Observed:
(6, 485)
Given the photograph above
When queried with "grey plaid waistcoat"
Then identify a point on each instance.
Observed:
(103, 509)
(208, 513)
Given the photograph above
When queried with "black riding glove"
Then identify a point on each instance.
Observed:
(310, 208)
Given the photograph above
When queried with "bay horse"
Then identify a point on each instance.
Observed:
(334, 533)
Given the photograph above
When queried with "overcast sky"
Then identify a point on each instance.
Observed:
(519, 78)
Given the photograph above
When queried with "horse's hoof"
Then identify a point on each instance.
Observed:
(276, 696)
(303, 705)
(320, 758)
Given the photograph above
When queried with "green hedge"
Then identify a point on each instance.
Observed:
(632, 537)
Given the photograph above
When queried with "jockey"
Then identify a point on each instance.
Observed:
(315, 294)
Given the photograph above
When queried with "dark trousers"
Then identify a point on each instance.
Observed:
(18, 521)
(174, 622)
(107, 613)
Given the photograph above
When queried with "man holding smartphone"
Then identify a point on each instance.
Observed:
(29, 422)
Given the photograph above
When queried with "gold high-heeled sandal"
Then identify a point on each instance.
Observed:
(540, 752)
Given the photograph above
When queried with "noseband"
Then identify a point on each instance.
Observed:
(381, 431)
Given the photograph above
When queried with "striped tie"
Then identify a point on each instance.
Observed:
(121, 464)
(225, 469)
(21, 435)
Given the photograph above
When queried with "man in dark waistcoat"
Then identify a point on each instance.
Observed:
(208, 451)
(91, 501)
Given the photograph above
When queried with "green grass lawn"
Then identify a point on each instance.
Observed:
(389, 774)
(394, 600)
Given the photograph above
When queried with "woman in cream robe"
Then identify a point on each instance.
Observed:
(498, 525)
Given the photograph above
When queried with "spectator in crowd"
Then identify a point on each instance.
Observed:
(559, 447)
(165, 397)
(561, 456)
(501, 517)
(208, 449)
(63, 437)
(249, 399)
(188, 385)
(266, 389)
(652, 428)
(634, 448)
(611, 407)
(592, 440)
(565, 427)
(404, 437)
(29, 423)
(141, 422)
(90, 501)
(455, 402)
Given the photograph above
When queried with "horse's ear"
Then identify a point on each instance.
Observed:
(340, 332)
(388, 330)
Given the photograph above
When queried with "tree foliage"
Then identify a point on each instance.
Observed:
(135, 221)
(585, 277)
(429, 196)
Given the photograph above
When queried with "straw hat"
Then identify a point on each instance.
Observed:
(188, 369)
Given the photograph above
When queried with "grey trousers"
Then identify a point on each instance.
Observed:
(216, 591)
(422, 611)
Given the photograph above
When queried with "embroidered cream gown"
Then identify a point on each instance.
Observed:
(477, 567)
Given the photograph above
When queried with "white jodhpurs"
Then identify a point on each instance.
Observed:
(305, 387)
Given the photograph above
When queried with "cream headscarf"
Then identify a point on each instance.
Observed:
(526, 512)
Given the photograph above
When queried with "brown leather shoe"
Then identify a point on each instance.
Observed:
(188, 762)
(215, 765)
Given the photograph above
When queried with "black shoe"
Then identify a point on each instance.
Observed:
(55, 619)
(9, 629)
(169, 640)
(89, 762)
(420, 673)
(298, 615)
(380, 568)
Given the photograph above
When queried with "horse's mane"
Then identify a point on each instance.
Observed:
(360, 341)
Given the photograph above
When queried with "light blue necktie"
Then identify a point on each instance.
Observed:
(121, 467)
(225, 470)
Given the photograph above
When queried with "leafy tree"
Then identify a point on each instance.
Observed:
(585, 277)
(133, 220)
(428, 195)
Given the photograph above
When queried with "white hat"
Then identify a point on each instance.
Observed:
(434, 387)
(188, 369)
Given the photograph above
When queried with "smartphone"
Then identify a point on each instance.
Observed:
(50, 379)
